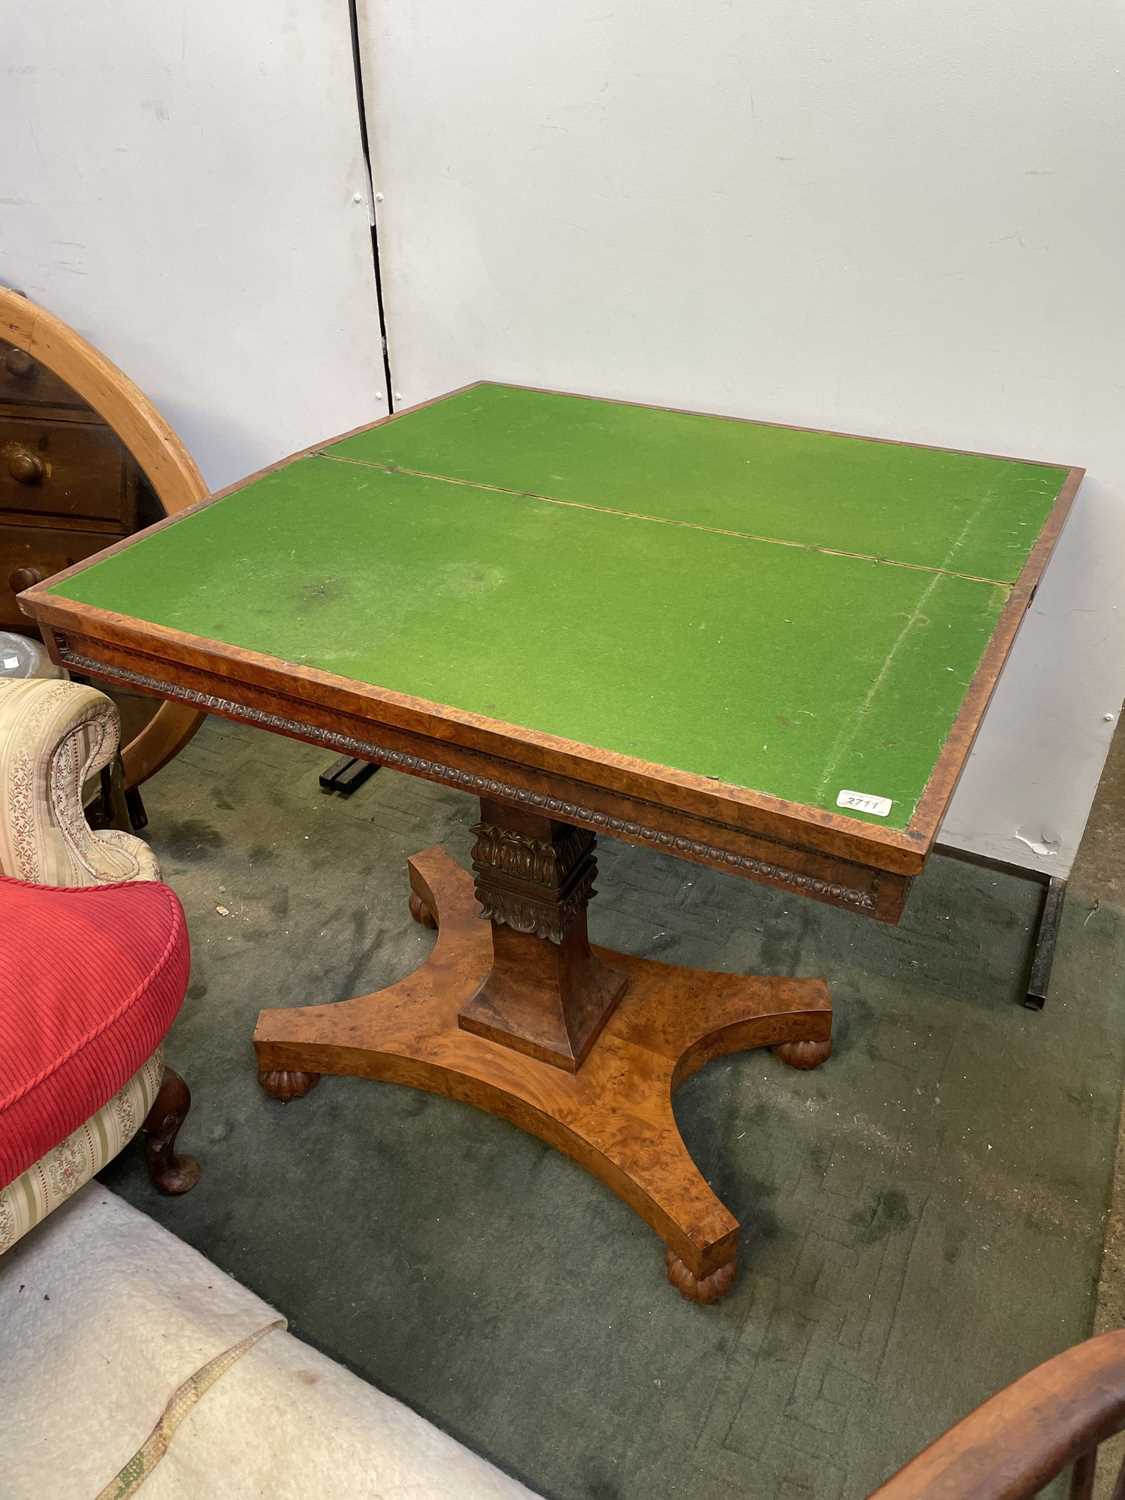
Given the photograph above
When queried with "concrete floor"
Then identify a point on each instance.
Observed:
(925, 1212)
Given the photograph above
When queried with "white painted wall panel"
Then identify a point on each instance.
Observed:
(177, 181)
(881, 217)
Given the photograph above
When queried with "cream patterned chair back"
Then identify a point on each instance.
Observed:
(53, 737)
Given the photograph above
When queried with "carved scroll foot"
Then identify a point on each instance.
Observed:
(699, 1288)
(284, 1084)
(422, 913)
(804, 1055)
(168, 1172)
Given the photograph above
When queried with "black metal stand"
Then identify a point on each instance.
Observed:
(346, 775)
(1046, 927)
(1043, 954)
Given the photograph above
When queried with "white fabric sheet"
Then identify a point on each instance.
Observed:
(103, 1314)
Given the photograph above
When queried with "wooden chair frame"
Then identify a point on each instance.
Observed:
(1016, 1443)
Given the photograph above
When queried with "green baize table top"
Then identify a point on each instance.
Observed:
(793, 612)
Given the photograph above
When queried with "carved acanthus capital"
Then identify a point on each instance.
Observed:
(547, 862)
(539, 885)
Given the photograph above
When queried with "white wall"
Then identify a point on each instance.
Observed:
(875, 215)
(883, 217)
(177, 181)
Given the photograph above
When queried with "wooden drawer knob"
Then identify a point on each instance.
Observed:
(19, 363)
(24, 466)
(24, 578)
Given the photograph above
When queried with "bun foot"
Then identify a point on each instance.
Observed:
(280, 1083)
(422, 911)
(696, 1289)
(804, 1054)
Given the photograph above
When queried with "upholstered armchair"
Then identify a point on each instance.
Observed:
(94, 961)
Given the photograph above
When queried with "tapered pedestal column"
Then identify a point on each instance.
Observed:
(518, 1015)
(546, 994)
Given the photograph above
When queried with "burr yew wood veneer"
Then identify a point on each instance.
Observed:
(764, 649)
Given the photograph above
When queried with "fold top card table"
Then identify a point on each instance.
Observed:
(765, 649)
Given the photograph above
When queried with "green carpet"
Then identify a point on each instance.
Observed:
(925, 1211)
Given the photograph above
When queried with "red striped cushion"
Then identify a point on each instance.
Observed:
(90, 981)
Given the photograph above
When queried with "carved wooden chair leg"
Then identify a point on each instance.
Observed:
(170, 1173)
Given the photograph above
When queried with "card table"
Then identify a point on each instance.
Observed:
(764, 649)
